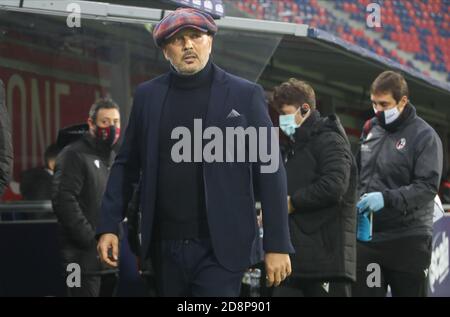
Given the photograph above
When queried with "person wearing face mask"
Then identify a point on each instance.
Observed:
(81, 172)
(321, 179)
(400, 162)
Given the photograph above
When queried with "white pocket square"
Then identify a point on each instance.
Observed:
(233, 114)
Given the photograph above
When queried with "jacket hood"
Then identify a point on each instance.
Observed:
(330, 123)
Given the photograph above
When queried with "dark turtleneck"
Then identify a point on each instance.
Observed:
(181, 208)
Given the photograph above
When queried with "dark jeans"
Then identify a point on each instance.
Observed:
(185, 268)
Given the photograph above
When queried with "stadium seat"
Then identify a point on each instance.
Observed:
(421, 28)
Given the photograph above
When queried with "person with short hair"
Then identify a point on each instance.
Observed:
(198, 217)
(322, 178)
(81, 173)
(400, 163)
(36, 183)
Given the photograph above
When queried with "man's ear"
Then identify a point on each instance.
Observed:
(91, 125)
(164, 50)
(403, 102)
(211, 39)
(305, 108)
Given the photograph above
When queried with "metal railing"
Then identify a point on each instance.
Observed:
(22, 211)
(45, 206)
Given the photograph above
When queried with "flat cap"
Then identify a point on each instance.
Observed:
(180, 19)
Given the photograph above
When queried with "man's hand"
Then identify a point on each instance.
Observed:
(278, 267)
(371, 202)
(291, 208)
(108, 249)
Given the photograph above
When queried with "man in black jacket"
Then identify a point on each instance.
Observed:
(400, 162)
(322, 178)
(36, 183)
(6, 153)
(82, 169)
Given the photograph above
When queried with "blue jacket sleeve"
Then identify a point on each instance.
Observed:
(124, 173)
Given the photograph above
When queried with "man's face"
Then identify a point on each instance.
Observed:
(385, 101)
(188, 51)
(51, 164)
(105, 118)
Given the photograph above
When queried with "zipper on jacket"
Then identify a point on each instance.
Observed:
(375, 165)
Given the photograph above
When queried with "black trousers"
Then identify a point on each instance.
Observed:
(96, 279)
(189, 268)
(102, 285)
(294, 287)
(401, 264)
(147, 272)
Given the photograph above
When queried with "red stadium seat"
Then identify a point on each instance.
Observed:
(416, 26)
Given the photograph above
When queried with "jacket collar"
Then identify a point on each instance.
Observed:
(100, 149)
(202, 79)
(216, 111)
(303, 133)
(155, 101)
(217, 108)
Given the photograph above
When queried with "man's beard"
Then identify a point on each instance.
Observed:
(186, 71)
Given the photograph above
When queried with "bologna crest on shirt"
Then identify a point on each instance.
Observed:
(400, 144)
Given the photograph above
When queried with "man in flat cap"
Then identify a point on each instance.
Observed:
(198, 218)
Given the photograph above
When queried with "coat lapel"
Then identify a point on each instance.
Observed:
(155, 104)
(217, 109)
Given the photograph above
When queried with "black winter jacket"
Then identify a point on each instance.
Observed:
(404, 162)
(6, 152)
(322, 180)
(82, 169)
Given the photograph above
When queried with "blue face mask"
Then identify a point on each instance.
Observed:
(288, 124)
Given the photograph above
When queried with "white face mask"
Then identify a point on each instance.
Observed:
(387, 116)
